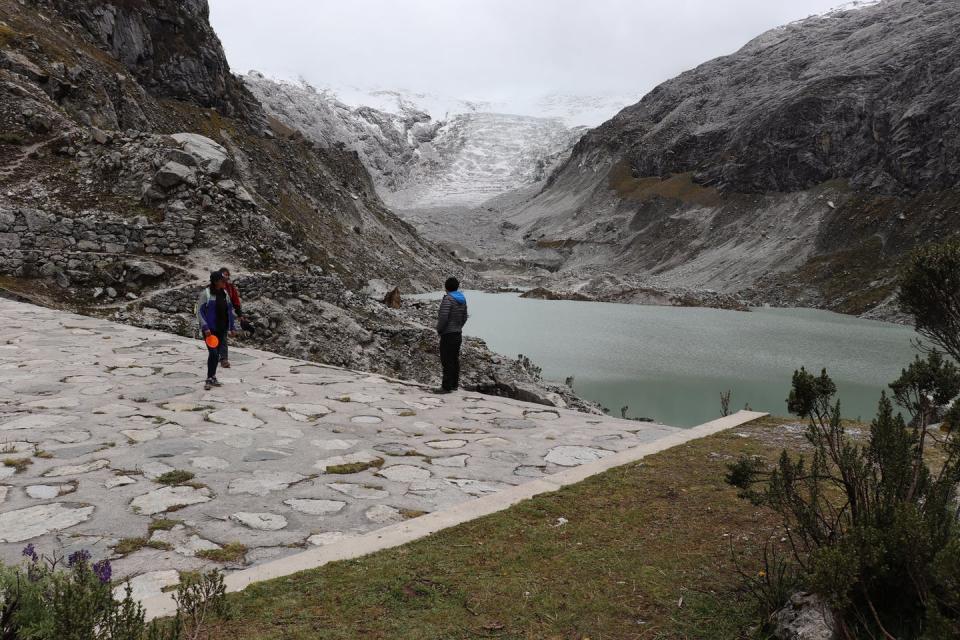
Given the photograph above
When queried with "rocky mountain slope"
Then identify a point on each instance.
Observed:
(132, 163)
(418, 161)
(798, 170)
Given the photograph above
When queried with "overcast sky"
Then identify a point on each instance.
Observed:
(498, 50)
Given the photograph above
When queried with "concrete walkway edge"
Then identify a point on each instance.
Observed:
(417, 528)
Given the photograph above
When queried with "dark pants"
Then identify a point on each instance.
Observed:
(213, 355)
(450, 359)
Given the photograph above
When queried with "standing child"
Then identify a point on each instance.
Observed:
(216, 317)
(234, 294)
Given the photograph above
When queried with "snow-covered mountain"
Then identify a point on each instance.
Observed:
(427, 151)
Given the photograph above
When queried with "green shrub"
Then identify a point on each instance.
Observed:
(873, 527)
(72, 599)
(175, 477)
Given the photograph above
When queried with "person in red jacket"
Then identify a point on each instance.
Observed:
(234, 294)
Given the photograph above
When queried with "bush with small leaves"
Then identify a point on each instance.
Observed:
(873, 525)
(56, 598)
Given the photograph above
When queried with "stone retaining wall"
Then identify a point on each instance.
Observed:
(74, 247)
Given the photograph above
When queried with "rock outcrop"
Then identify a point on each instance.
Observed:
(798, 170)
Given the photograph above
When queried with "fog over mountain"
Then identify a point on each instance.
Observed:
(512, 54)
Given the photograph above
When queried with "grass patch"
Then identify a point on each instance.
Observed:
(644, 552)
(410, 514)
(131, 545)
(355, 467)
(175, 477)
(20, 464)
(43, 455)
(12, 139)
(678, 187)
(162, 524)
(232, 552)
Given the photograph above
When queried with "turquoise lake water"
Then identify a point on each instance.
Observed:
(671, 364)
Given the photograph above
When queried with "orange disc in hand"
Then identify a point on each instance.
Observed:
(212, 341)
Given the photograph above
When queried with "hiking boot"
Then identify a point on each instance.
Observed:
(214, 382)
(225, 364)
(208, 384)
(441, 392)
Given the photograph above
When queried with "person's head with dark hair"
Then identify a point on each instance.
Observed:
(217, 281)
(451, 285)
(225, 272)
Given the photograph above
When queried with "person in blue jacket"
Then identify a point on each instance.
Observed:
(216, 317)
(450, 320)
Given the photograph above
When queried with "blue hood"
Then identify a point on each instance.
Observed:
(458, 296)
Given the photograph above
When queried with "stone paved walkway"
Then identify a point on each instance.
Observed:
(96, 417)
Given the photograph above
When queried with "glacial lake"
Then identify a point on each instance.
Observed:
(671, 364)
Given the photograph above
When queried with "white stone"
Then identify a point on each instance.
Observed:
(141, 435)
(271, 391)
(96, 389)
(335, 445)
(451, 461)
(119, 481)
(447, 444)
(210, 463)
(182, 541)
(147, 585)
(6, 472)
(480, 411)
(573, 456)
(477, 487)
(362, 398)
(315, 507)
(311, 411)
(538, 414)
(37, 421)
(359, 491)
(382, 514)
(75, 470)
(154, 470)
(263, 482)
(43, 491)
(361, 457)
(23, 524)
(260, 521)
(404, 473)
(329, 537)
(70, 437)
(494, 442)
(236, 418)
(366, 420)
(161, 500)
(63, 402)
(117, 410)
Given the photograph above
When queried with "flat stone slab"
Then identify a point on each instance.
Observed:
(252, 461)
(167, 498)
(32, 522)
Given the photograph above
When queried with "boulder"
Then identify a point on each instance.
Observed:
(171, 174)
(526, 392)
(138, 270)
(19, 63)
(806, 617)
(392, 299)
(212, 158)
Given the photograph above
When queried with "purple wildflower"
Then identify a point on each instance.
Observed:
(103, 571)
(30, 551)
(78, 557)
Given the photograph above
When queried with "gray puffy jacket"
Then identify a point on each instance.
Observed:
(453, 314)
